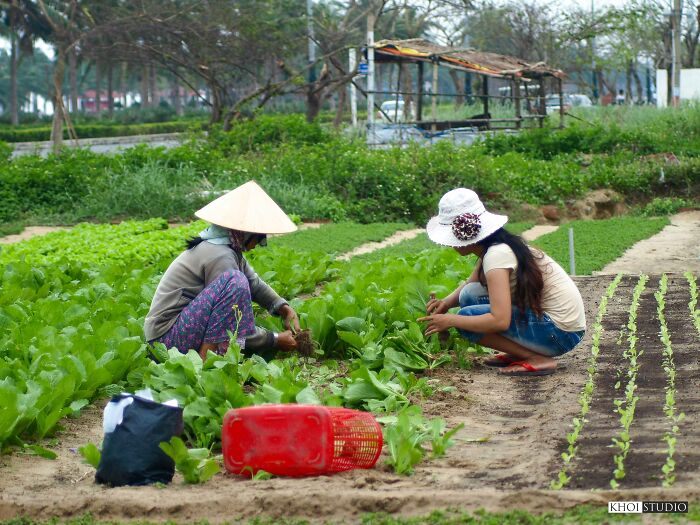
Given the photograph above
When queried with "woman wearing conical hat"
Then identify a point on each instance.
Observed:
(206, 292)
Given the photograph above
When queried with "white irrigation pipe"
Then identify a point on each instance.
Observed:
(572, 259)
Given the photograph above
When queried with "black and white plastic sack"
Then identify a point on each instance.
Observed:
(134, 428)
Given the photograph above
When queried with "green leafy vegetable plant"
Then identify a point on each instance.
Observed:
(195, 465)
(91, 454)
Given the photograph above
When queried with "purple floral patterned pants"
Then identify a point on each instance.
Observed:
(221, 307)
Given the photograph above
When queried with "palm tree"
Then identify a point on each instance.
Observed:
(22, 23)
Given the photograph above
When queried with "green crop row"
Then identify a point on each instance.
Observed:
(626, 406)
(586, 395)
(692, 305)
(669, 366)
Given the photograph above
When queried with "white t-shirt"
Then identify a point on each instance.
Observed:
(561, 299)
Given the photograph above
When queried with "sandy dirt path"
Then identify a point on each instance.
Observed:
(676, 248)
(369, 247)
(29, 232)
(538, 230)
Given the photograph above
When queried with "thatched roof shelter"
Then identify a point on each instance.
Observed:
(491, 64)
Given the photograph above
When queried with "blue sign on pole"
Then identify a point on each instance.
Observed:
(363, 68)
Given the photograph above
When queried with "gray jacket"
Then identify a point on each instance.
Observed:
(190, 273)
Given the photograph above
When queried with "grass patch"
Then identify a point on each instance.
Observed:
(11, 228)
(582, 514)
(598, 243)
(337, 238)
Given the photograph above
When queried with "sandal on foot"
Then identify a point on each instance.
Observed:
(529, 370)
(499, 360)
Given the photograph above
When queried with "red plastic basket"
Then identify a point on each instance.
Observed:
(299, 440)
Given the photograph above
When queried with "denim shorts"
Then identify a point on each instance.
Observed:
(538, 334)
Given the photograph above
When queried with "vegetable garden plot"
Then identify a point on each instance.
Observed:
(644, 461)
(504, 457)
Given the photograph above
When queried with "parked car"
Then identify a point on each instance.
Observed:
(580, 100)
(553, 103)
(395, 111)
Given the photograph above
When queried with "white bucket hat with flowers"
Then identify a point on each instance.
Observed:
(462, 220)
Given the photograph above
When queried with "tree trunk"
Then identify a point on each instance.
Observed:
(458, 81)
(604, 83)
(58, 108)
(342, 95)
(175, 96)
(669, 85)
(313, 103)
(638, 81)
(98, 87)
(73, 80)
(14, 109)
(122, 82)
(152, 88)
(216, 105)
(144, 88)
(628, 82)
(110, 90)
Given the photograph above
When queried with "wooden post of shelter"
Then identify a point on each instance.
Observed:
(561, 102)
(516, 100)
(543, 107)
(419, 103)
(398, 94)
(434, 90)
(485, 91)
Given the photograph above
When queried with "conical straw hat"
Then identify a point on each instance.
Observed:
(247, 208)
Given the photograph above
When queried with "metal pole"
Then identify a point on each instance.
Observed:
(561, 103)
(352, 60)
(419, 103)
(517, 101)
(676, 49)
(572, 260)
(434, 90)
(485, 91)
(370, 77)
(594, 76)
(310, 34)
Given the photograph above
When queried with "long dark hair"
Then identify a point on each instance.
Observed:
(530, 283)
(194, 241)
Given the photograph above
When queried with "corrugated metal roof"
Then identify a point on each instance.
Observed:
(483, 63)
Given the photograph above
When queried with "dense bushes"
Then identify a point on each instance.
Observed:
(43, 133)
(267, 131)
(318, 175)
(637, 130)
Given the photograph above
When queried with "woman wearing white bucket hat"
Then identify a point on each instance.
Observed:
(517, 300)
(207, 290)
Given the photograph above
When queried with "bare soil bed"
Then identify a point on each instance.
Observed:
(525, 421)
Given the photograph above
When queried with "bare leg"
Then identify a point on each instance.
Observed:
(205, 347)
(518, 352)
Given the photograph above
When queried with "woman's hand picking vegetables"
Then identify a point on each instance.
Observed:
(437, 323)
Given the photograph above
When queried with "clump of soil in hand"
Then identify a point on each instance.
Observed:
(305, 345)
